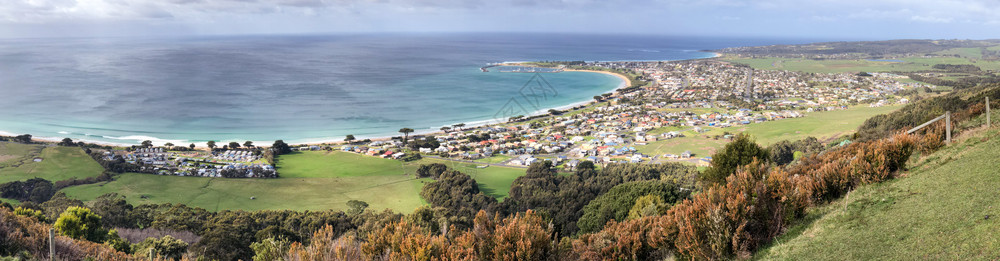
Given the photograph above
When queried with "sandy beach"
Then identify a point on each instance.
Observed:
(624, 79)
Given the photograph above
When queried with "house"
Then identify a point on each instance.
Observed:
(686, 155)
(572, 164)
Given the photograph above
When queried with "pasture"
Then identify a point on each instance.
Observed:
(312, 180)
(57, 163)
(822, 125)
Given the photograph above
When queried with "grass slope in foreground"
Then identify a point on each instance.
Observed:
(315, 180)
(945, 208)
(58, 163)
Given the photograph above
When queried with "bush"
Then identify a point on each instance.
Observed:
(741, 151)
(616, 203)
(754, 205)
(80, 223)
(432, 170)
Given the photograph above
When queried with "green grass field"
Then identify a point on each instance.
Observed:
(58, 163)
(10, 151)
(321, 164)
(973, 52)
(493, 180)
(314, 180)
(838, 66)
(822, 125)
(945, 208)
(399, 193)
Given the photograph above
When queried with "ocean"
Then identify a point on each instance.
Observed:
(304, 88)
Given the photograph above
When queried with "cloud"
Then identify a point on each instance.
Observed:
(790, 17)
(930, 19)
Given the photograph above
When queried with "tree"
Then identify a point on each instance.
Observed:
(166, 246)
(24, 138)
(356, 207)
(597, 98)
(114, 210)
(445, 128)
(406, 133)
(67, 142)
(168, 145)
(36, 190)
(270, 249)
(647, 206)
(211, 144)
(147, 143)
(234, 145)
(117, 242)
(617, 202)
(350, 138)
(80, 223)
(432, 170)
(741, 151)
(280, 147)
(191, 146)
(58, 204)
(458, 126)
(782, 152)
(32, 213)
(248, 144)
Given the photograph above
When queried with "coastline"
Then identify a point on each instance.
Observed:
(624, 82)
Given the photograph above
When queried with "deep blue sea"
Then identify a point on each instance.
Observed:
(300, 88)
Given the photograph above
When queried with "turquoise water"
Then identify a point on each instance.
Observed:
(301, 88)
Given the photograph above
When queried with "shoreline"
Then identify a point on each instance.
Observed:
(624, 82)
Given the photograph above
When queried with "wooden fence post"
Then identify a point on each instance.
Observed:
(987, 112)
(52, 244)
(947, 126)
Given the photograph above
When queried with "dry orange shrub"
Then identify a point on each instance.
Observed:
(19, 233)
(725, 221)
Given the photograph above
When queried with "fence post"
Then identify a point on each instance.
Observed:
(52, 244)
(947, 125)
(987, 112)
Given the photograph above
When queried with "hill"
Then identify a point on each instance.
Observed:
(944, 207)
(55, 163)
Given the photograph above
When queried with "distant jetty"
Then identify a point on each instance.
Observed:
(502, 67)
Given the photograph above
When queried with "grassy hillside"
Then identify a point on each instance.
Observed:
(909, 64)
(11, 152)
(945, 207)
(494, 181)
(314, 180)
(822, 125)
(398, 193)
(316, 164)
(58, 163)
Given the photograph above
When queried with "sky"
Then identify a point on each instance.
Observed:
(847, 19)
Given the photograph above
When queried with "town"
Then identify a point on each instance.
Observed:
(682, 98)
